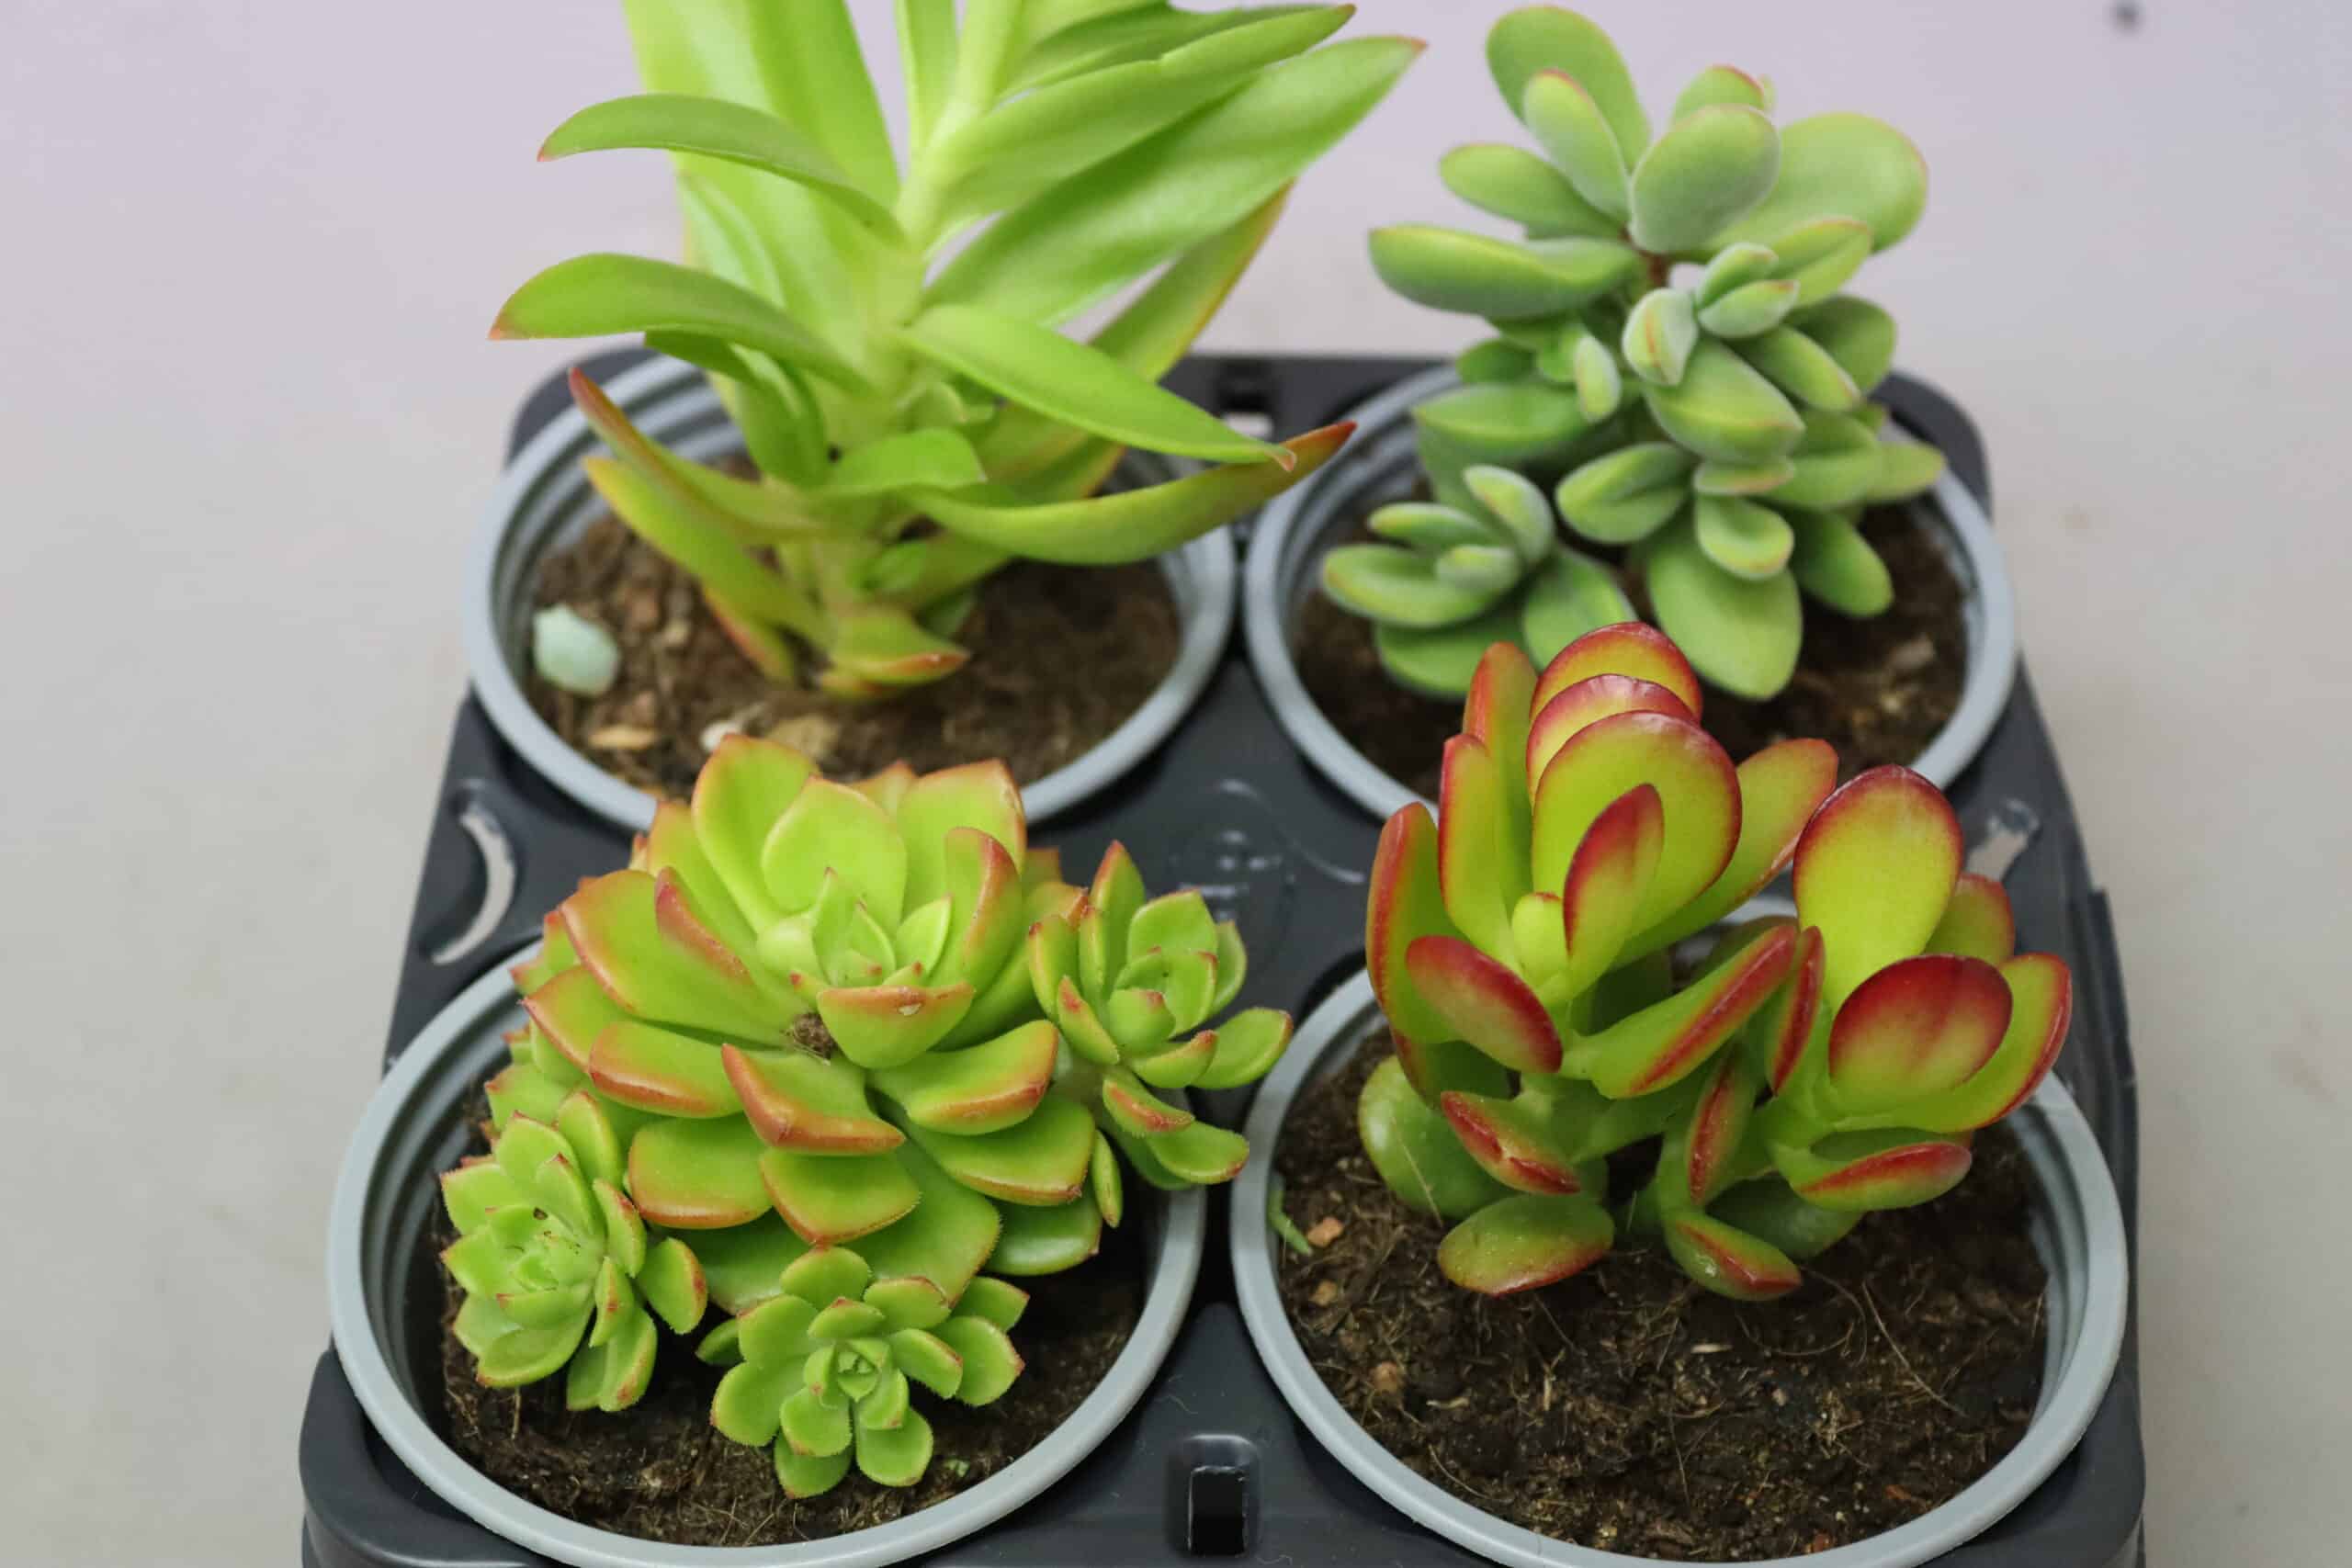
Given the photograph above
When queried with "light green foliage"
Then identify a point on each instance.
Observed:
(811, 1016)
(1676, 290)
(1056, 155)
(826, 1368)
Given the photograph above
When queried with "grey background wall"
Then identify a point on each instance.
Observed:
(246, 417)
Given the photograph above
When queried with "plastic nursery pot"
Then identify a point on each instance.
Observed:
(543, 502)
(1381, 464)
(384, 1295)
(2077, 1230)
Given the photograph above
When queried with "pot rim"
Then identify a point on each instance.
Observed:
(1204, 574)
(2078, 1178)
(1174, 1267)
(1989, 617)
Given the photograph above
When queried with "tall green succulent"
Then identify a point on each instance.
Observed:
(883, 325)
(1521, 946)
(1718, 426)
(813, 1020)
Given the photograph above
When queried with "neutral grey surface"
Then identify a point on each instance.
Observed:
(250, 249)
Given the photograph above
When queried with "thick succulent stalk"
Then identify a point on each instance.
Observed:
(1523, 943)
(1717, 428)
(917, 425)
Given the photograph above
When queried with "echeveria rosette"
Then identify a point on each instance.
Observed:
(819, 1001)
(825, 1367)
(555, 1264)
(1132, 981)
(1518, 943)
(883, 321)
(1909, 1022)
(1455, 578)
(1720, 427)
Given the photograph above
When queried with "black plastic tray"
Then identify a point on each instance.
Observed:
(1213, 1463)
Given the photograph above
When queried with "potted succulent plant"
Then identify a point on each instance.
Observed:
(892, 415)
(788, 1083)
(1673, 418)
(1565, 1047)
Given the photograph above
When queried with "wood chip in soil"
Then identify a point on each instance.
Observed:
(1878, 690)
(1628, 1410)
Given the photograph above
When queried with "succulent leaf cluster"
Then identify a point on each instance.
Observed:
(1717, 426)
(814, 1019)
(555, 1262)
(825, 1369)
(1453, 576)
(883, 322)
(1523, 947)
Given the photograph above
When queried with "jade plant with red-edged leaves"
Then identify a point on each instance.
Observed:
(866, 1025)
(1523, 947)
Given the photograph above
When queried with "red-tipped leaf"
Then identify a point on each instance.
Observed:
(1914, 1029)
(1511, 1142)
(1587, 702)
(1666, 1042)
(1483, 1002)
(1608, 879)
(1627, 647)
(1525, 1241)
(1875, 869)
(1728, 1260)
(1404, 903)
(1696, 788)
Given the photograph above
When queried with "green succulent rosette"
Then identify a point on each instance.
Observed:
(825, 1369)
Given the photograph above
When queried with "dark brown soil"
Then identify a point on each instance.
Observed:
(1061, 655)
(1628, 1410)
(658, 1470)
(1878, 689)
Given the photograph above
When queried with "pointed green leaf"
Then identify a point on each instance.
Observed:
(1131, 525)
(1722, 409)
(603, 294)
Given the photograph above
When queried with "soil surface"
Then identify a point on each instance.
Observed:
(1628, 1410)
(659, 1469)
(1061, 655)
(1878, 689)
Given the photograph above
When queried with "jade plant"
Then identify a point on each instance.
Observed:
(820, 1030)
(1524, 946)
(1713, 423)
(882, 324)
(825, 1369)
